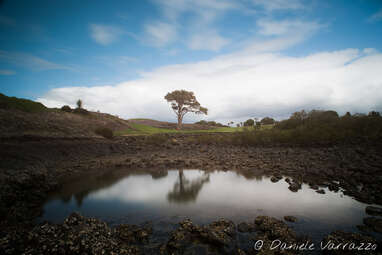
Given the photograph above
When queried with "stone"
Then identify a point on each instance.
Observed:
(290, 218)
(245, 227)
(374, 223)
(372, 210)
(320, 191)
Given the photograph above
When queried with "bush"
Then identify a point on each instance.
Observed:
(105, 132)
(249, 123)
(81, 111)
(66, 108)
(267, 121)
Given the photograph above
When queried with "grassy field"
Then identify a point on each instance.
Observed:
(140, 129)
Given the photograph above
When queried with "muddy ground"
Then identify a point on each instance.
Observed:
(32, 166)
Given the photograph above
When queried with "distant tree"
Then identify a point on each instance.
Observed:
(374, 114)
(302, 115)
(258, 124)
(267, 121)
(79, 103)
(249, 123)
(237, 125)
(183, 102)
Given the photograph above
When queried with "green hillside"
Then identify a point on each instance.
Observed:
(21, 104)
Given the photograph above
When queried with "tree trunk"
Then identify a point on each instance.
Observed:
(179, 127)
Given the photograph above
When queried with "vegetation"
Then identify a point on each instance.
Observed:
(267, 121)
(79, 103)
(25, 105)
(105, 132)
(315, 127)
(81, 111)
(66, 108)
(249, 123)
(140, 129)
(210, 123)
(183, 102)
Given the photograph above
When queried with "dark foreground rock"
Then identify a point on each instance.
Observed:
(290, 218)
(374, 223)
(77, 235)
(81, 235)
(372, 210)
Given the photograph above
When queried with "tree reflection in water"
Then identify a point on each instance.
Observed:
(184, 190)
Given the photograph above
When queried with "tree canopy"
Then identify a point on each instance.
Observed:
(183, 102)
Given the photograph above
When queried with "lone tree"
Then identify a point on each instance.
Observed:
(79, 103)
(183, 102)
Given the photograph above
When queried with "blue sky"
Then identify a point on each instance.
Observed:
(123, 56)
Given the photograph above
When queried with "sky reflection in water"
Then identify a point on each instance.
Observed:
(120, 197)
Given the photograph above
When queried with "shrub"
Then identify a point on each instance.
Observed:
(81, 111)
(267, 121)
(249, 123)
(66, 108)
(105, 132)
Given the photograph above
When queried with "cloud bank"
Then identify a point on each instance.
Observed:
(242, 85)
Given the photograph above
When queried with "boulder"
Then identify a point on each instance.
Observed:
(290, 218)
(372, 210)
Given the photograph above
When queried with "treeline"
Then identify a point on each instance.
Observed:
(314, 127)
(210, 123)
(327, 124)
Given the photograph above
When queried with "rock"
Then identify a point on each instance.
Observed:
(77, 235)
(374, 223)
(372, 210)
(320, 191)
(313, 186)
(333, 187)
(340, 238)
(274, 228)
(364, 228)
(294, 187)
(290, 218)
(189, 238)
(245, 227)
(274, 179)
(132, 234)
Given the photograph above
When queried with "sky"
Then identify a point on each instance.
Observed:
(242, 58)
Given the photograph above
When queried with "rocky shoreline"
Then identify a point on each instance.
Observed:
(33, 166)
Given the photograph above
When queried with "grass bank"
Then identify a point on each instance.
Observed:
(141, 129)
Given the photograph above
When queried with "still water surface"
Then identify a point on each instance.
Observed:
(170, 196)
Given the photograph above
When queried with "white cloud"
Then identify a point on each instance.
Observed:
(104, 34)
(375, 17)
(243, 85)
(284, 27)
(160, 33)
(7, 72)
(272, 5)
(199, 25)
(30, 62)
(209, 40)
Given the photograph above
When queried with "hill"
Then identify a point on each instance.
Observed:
(20, 117)
(25, 117)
